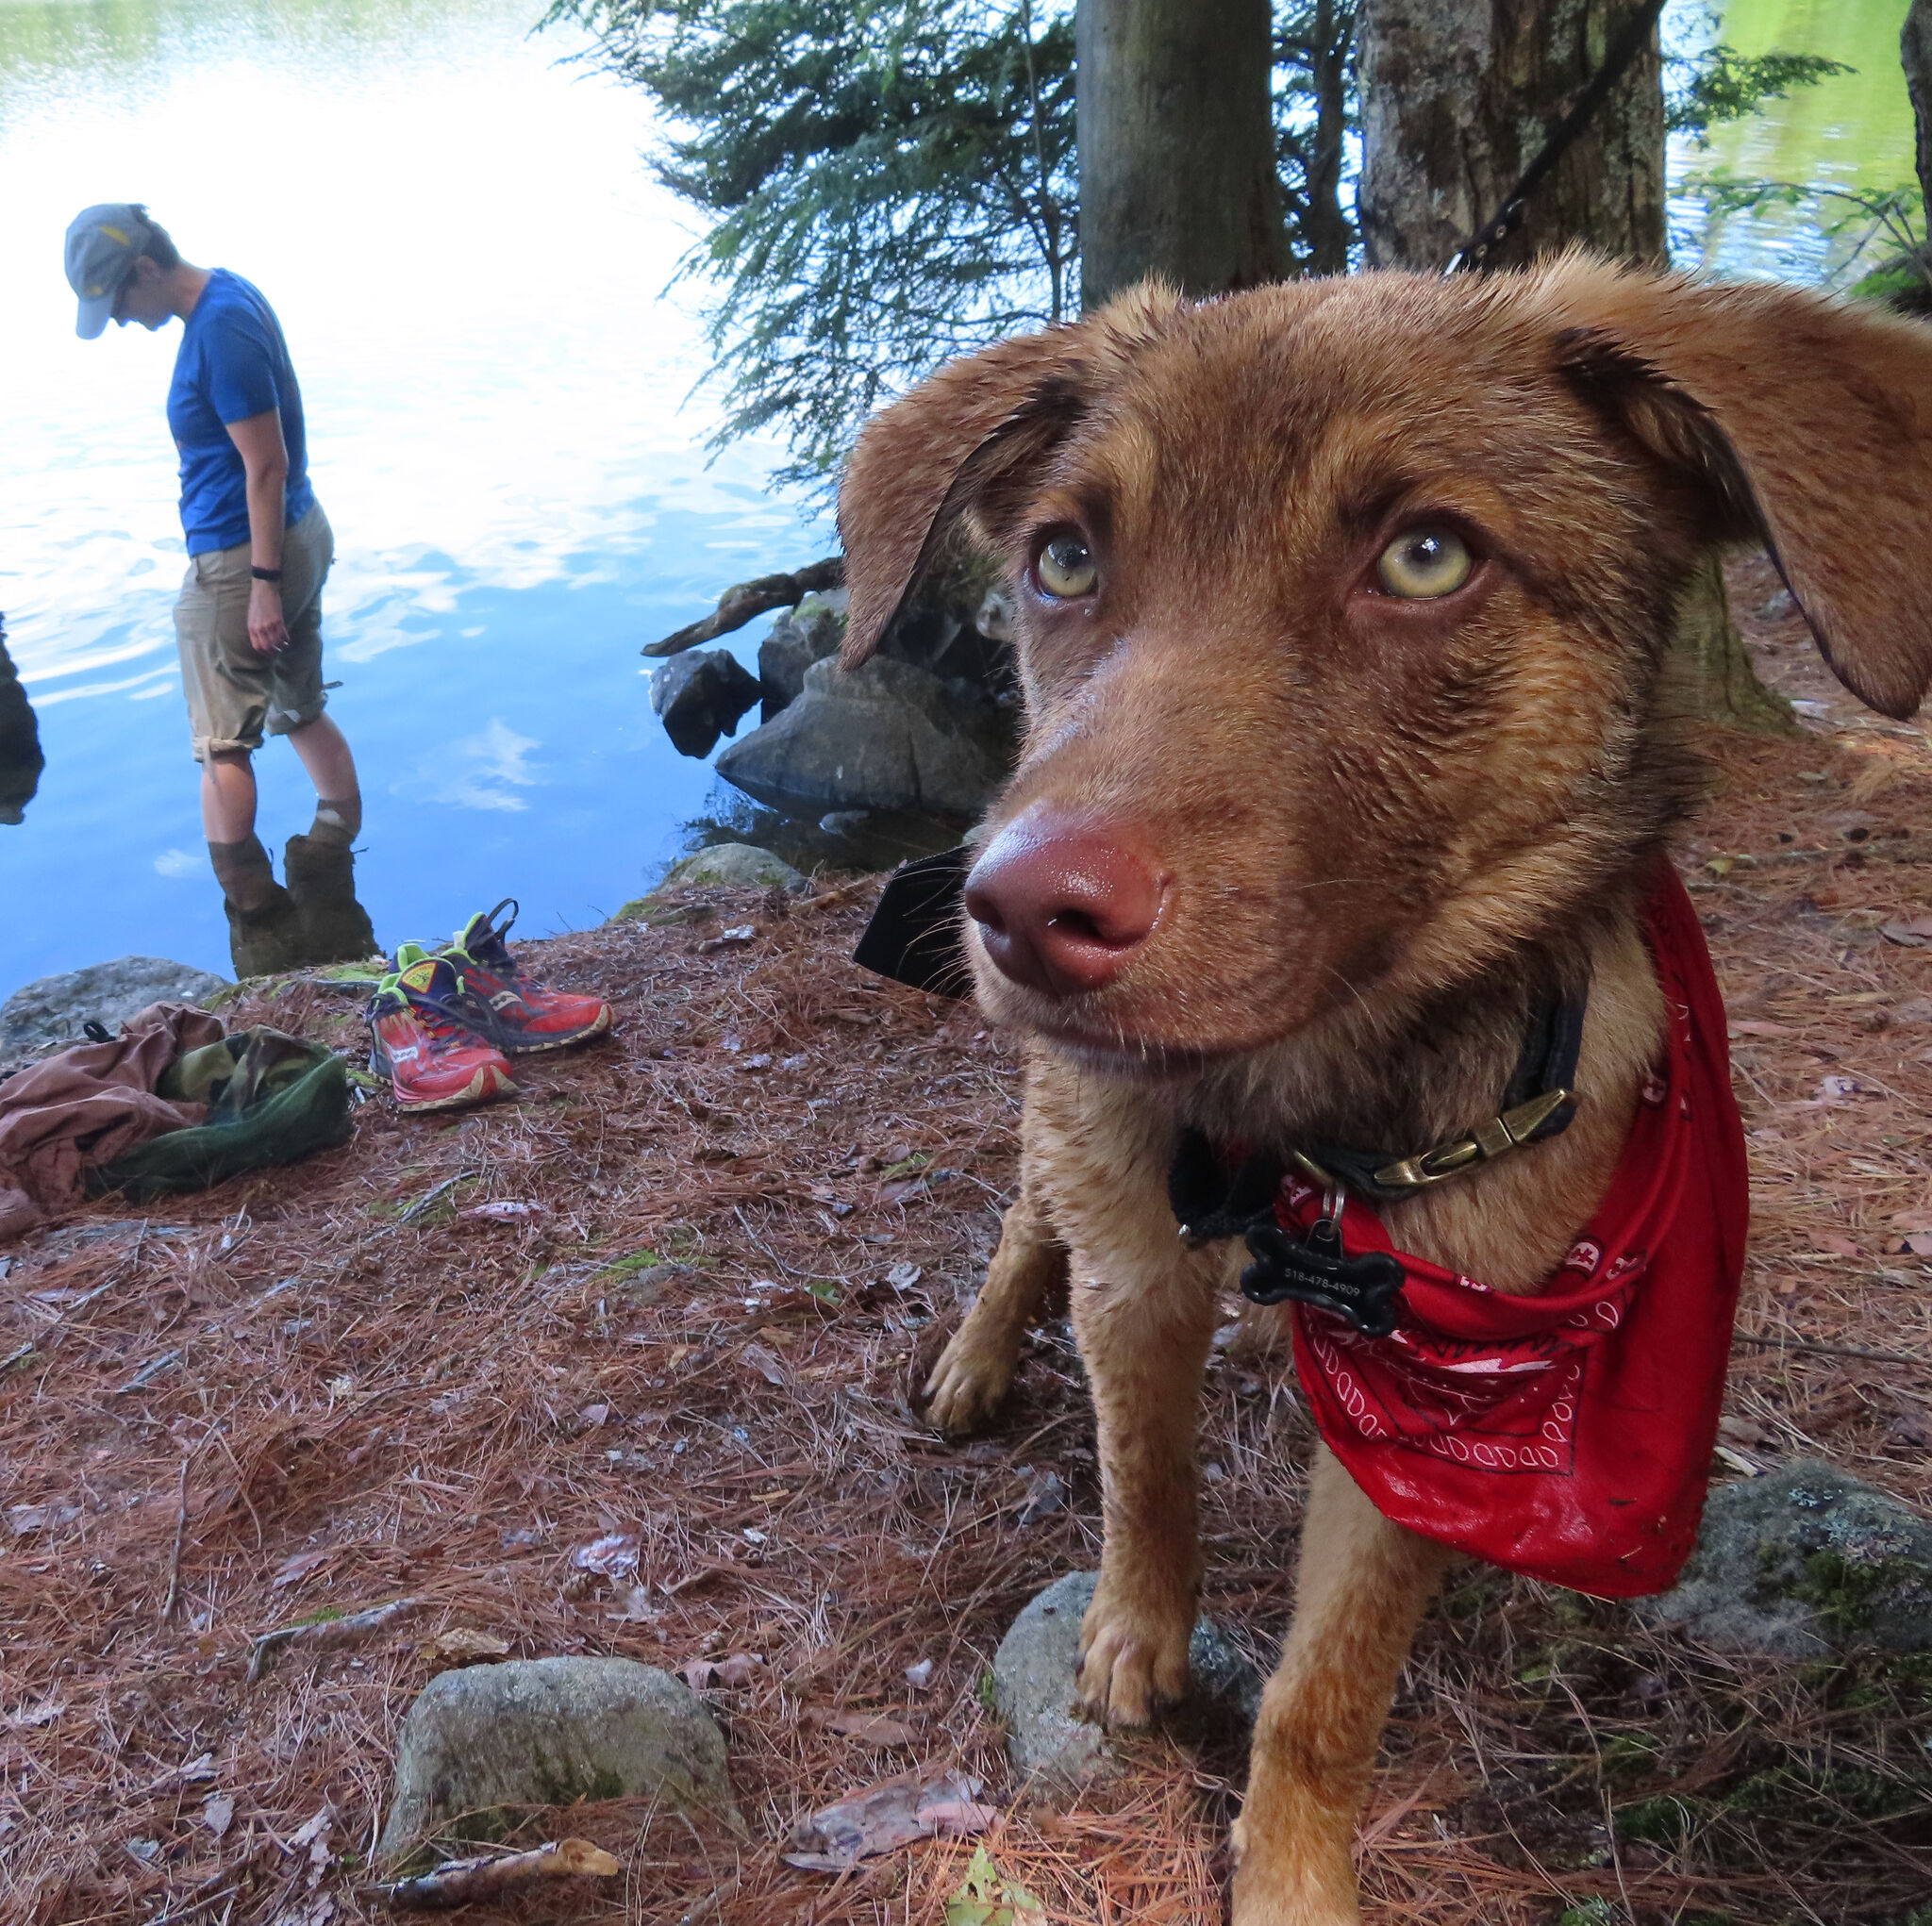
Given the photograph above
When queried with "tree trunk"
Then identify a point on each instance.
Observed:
(1915, 55)
(1458, 96)
(1719, 680)
(1176, 147)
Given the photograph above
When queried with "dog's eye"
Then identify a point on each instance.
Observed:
(1065, 569)
(1423, 563)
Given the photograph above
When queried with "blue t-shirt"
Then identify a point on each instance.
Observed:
(233, 364)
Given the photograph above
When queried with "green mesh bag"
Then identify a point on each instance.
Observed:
(272, 1099)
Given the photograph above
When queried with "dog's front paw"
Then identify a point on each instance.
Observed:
(970, 1380)
(1134, 1654)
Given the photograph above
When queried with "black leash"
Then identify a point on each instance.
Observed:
(1474, 255)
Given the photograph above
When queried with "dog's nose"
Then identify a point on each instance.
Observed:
(1060, 905)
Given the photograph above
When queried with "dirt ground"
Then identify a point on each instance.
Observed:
(330, 1387)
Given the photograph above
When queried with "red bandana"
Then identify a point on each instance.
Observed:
(1566, 1435)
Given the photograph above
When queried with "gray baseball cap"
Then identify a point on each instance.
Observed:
(103, 244)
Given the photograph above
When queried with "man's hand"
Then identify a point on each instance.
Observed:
(267, 634)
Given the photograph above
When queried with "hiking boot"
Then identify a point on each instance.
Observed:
(419, 1037)
(265, 940)
(322, 879)
(517, 1013)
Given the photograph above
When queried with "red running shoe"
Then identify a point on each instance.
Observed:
(517, 1013)
(421, 1038)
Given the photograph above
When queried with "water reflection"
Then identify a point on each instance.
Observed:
(21, 758)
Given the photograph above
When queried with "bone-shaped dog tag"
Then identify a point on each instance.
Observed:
(1317, 1270)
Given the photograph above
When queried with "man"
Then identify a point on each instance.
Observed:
(249, 617)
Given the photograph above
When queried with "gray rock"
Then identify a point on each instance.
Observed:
(547, 1732)
(885, 737)
(1801, 1561)
(52, 1009)
(807, 634)
(737, 865)
(700, 696)
(1035, 1692)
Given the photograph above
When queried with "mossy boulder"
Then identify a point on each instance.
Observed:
(482, 1744)
(1034, 1690)
(1802, 1562)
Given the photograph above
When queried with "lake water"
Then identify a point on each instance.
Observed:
(469, 261)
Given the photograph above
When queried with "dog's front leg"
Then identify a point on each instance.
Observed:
(976, 1370)
(1362, 1585)
(1143, 1314)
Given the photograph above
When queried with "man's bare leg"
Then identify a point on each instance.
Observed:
(324, 752)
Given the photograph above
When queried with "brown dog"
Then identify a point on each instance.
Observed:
(1343, 621)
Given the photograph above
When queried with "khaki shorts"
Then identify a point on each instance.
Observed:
(233, 693)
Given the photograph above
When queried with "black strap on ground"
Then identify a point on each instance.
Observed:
(1474, 255)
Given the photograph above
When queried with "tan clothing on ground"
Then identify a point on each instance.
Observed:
(89, 1106)
(234, 692)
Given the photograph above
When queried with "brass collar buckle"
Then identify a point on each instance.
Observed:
(1501, 1134)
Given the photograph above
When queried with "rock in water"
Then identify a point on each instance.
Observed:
(888, 735)
(1034, 1689)
(548, 1731)
(53, 1008)
(737, 865)
(808, 634)
(1801, 1561)
(21, 758)
(700, 696)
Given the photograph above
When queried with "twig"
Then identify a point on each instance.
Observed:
(319, 1634)
(430, 1196)
(461, 1881)
(738, 605)
(174, 1597)
(1772, 1342)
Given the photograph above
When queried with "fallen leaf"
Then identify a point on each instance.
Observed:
(595, 1417)
(1909, 1221)
(868, 1727)
(23, 1518)
(614, 1555)
(295, 1570)
(1836, 1245)
(502, 1212)
(1834, 1089)
(1736, 1461)
(313, 1831)
(1045, 1494)
(1920, 1244)
(735, 1670)
(464, 1645)
(44, 1714)
(894, 1813)
(903, 1276)
(1914, 934)
(920, 1676)
(766, 1364)
(1752, 1027)
(218, 1815)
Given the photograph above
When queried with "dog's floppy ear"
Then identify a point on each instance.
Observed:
(1808, 423)
(943, 451)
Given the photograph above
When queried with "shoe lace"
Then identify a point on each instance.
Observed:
(492, 948)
